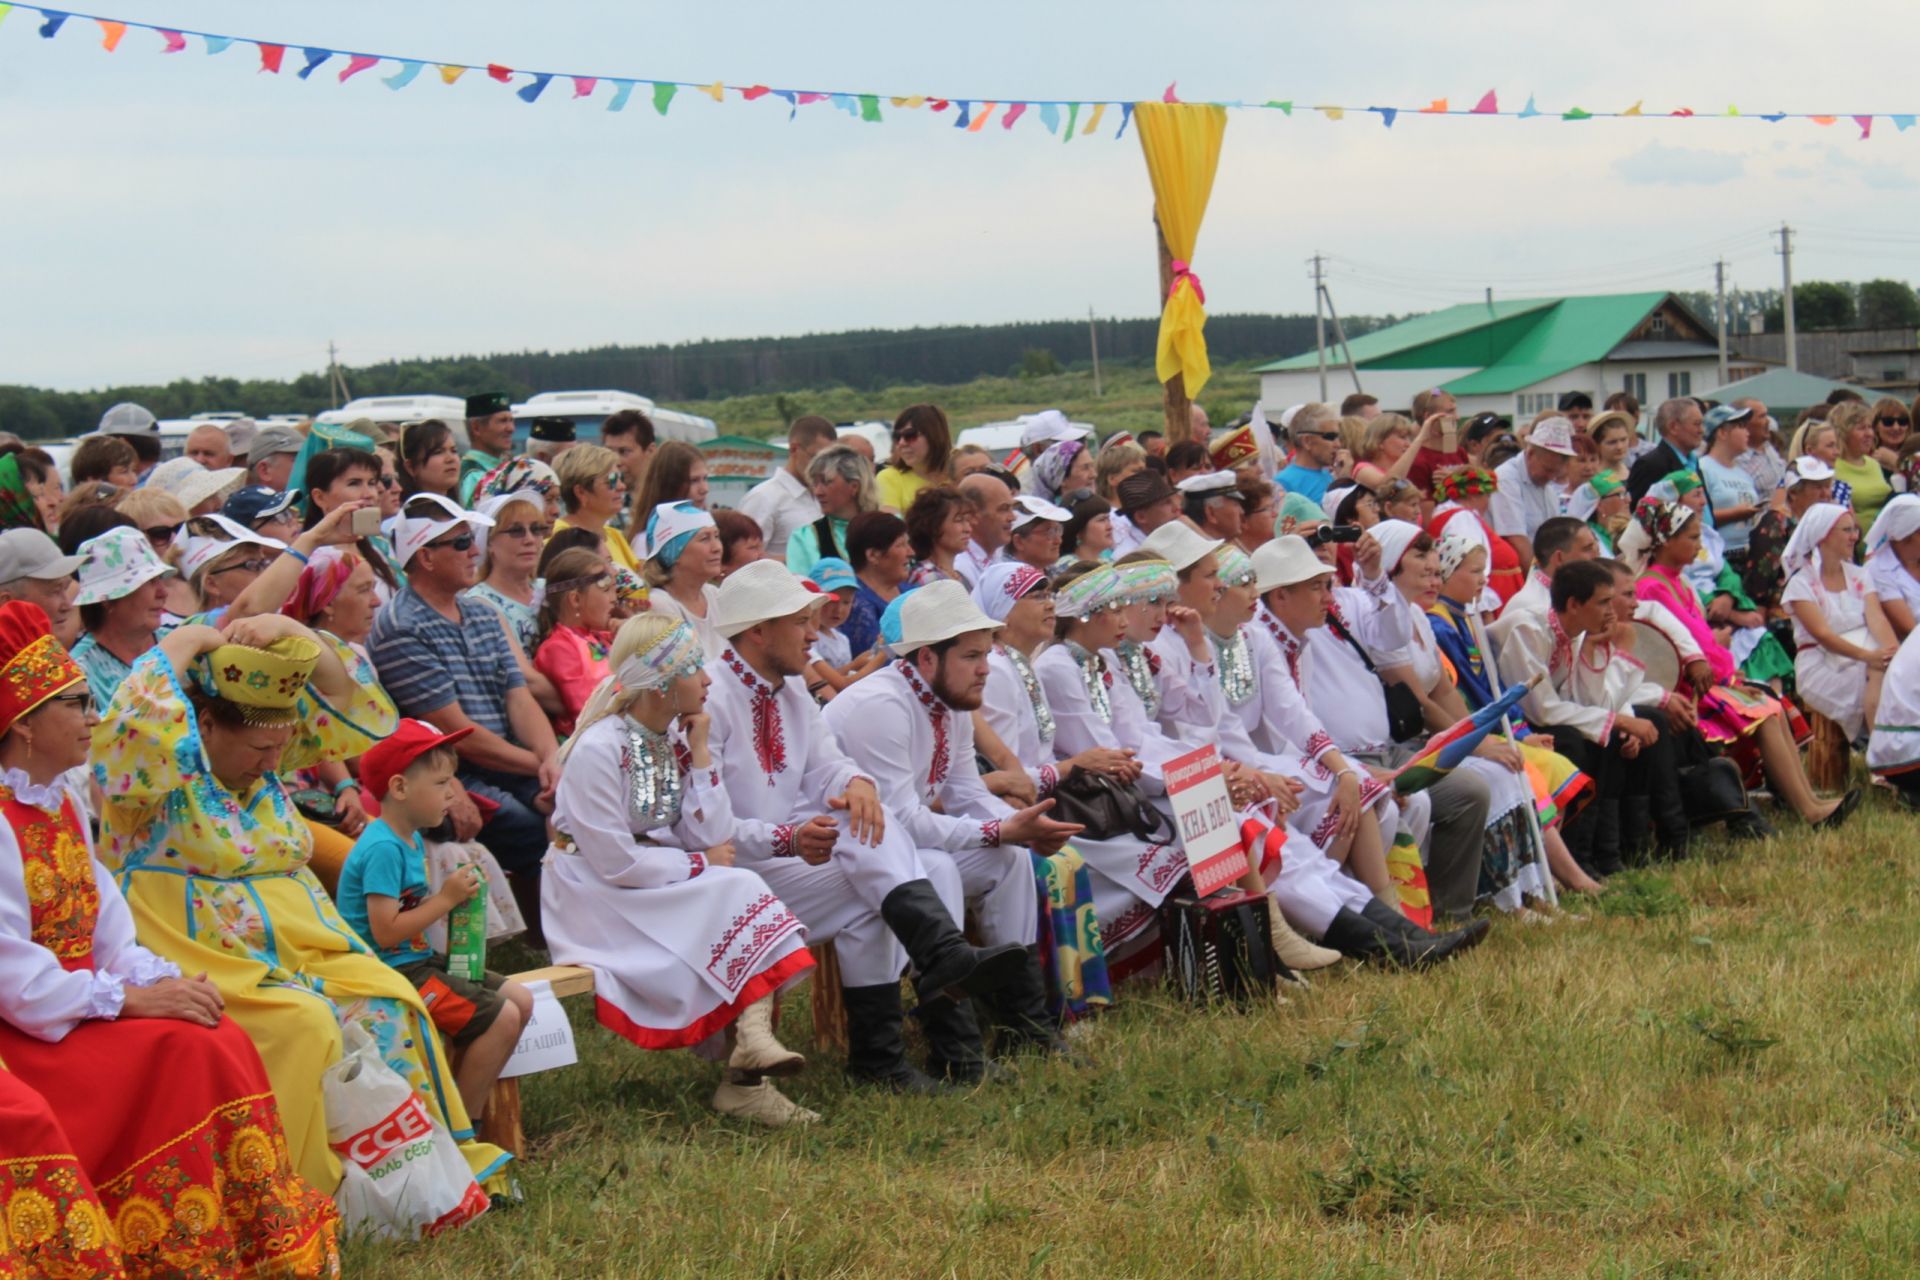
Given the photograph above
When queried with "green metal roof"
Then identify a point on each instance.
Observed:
(1510, 345)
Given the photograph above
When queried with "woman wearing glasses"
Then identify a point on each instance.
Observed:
(1856, 466)
(163, 520)
(922, 443)
(593, 489)
(510, 560)
(1892, 424)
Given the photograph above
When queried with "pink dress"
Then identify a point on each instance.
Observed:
(1733, 708)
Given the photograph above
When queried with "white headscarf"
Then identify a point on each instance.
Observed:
(1898, 520)
(1812, 530)
(1394, 537)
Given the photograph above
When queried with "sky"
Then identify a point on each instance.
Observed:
(182, 215)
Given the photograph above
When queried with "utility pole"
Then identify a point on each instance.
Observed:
(1720, 313)
(1093, 342)
(1320, 323)
(336, 379)
(1340, 336)
(1786, 288)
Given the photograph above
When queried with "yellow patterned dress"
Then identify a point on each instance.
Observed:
(219, 883)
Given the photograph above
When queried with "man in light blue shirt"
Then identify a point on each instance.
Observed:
(1315, 440)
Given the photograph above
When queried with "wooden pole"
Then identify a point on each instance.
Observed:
(1179, 419)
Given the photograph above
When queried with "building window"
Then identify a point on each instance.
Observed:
(1635, 385)
(1679, 384)
(1528, 403)
(1658, 326)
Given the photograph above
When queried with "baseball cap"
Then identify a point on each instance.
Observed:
(199, 549)
(271, 439)
(257, 502)
(389, 757)
(1482, 425)
(426, 516)
(1029, 507)
(29, 553)
(756, 593)
(1809, 469)
(938, 611)
(1724, 415)
(128, 419)
(191, 483)
(830, 573)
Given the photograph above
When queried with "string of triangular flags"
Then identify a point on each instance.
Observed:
(1065, 118)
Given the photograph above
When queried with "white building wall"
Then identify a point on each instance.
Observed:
(1395, 388)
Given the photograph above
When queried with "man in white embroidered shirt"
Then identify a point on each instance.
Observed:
(910, 725)
(810, 822)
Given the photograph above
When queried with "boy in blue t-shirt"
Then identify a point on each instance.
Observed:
(383, 894)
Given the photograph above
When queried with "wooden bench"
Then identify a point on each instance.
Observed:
(1828, 756)
(501, 1125)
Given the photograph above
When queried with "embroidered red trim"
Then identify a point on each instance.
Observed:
(758, 988)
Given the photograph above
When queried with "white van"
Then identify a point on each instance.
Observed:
(451, 410)
(588, 409)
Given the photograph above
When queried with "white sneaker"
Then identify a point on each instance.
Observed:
(762, 1104)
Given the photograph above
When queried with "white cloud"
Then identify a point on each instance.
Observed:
(1659, 165)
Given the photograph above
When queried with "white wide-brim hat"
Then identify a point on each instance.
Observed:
(1285, 561)
(938, 611)
(1179, 545)
(759, 592)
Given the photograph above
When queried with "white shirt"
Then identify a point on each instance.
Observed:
(37, 995)
(1010, 713)
(1126, 535)
(1519, 506)
(1349, 699)
(779, 505)
(971, 563)
(777, 758)
(658, 601)
(921, 751)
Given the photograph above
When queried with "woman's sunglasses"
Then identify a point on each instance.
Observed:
(260, 565)
(906, 433)
(540, 531)
(1891, 421)
(161, 535)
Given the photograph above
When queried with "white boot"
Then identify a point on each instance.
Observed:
(755, 1052)
(762, 1104)
(1294, 951)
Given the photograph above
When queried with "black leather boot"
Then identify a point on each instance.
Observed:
(1603, 853)
(876, 1049)
(1020, 1013)
(956, 1051)
(1382, 933)
(1636, 830)
(945, 964)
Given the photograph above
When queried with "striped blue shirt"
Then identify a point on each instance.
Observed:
(427, 662)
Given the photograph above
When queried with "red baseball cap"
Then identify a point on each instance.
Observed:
(407, 743)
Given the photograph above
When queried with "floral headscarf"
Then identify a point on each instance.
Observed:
(1050, 468)
(1654, 524)
(321, 581)
(1466, 482)
(1453, 551)
(16, 504)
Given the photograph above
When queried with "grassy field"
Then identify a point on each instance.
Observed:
(1714, 1075)
(1129, 400)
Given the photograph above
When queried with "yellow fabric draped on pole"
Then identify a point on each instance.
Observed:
(1181, 141)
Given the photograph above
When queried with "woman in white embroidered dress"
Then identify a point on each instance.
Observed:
(1843, 641)
(685, 947)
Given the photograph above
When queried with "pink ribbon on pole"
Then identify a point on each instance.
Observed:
(1182, 272)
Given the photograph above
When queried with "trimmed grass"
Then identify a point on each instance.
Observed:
(1715, 1074)
(1130, 400)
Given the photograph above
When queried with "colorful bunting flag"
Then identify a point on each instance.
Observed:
(972, 114)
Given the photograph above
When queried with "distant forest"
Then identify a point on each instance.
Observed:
(867, 359)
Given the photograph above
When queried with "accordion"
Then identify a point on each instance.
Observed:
(1219, 948)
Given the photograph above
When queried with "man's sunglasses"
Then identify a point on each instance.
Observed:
(540, 531)
(458, 542)
(1320, 435)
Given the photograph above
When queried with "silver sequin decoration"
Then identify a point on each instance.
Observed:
(654, 784)
(1236, 668)
(1092, 672)
(1138, 669)
(1042, 713)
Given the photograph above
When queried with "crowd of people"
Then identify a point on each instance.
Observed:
(272, 712)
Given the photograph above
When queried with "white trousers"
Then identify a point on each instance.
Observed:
(997, 884)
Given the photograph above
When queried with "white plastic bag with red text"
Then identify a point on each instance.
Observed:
(404, 1176)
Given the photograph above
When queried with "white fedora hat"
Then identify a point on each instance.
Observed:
(938, 611)
(1285, 561)
(759, 592)
(1179, 545)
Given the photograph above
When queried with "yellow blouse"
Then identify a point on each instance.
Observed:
(619, 550)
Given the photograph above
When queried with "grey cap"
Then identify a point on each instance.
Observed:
(128, 419)
(29, 553)
(240, 434)
(271, 439)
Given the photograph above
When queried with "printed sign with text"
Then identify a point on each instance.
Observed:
(1204, 816)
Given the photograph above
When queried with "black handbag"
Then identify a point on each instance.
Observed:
(1406, 718)
(1109, 809)
(1713, 791)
